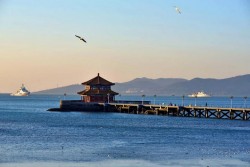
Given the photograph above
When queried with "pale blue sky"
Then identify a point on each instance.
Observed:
(125, 39)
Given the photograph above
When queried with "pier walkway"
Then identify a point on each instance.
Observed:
(183, 111)
(178, 111)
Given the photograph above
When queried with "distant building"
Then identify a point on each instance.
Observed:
(98, 89)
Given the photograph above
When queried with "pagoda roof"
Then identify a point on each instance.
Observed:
(97, 92)
(98, 80)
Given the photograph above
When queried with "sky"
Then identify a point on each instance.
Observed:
(126, 39)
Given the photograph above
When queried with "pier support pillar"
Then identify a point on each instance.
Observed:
(206, 113)
(244, 115)
(231, 114)
(218, 114)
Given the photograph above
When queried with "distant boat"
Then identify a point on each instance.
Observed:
(21, 92)
(199, 94)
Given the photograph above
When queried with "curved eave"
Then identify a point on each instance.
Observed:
(97, 92)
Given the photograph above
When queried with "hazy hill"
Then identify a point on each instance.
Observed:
(147, 86)
(235, 86)
(71, 89)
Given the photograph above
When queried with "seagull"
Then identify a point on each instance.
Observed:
(177, 9)
(81, 38)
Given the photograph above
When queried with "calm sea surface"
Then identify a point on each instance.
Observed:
(32, 136)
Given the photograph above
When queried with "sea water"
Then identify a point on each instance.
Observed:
(32, 136)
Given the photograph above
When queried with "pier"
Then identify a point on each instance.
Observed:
(148, 109)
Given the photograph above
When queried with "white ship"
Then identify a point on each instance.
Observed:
(21, 92)
(199, 94)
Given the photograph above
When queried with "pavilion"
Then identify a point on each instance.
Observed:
(98, 90)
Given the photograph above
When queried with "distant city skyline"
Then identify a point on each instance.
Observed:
(125, 40)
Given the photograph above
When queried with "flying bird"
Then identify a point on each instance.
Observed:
(177, 9)
(81, 38)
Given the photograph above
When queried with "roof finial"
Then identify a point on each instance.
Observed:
(98, 78)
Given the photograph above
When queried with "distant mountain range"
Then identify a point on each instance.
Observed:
(234, 86)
